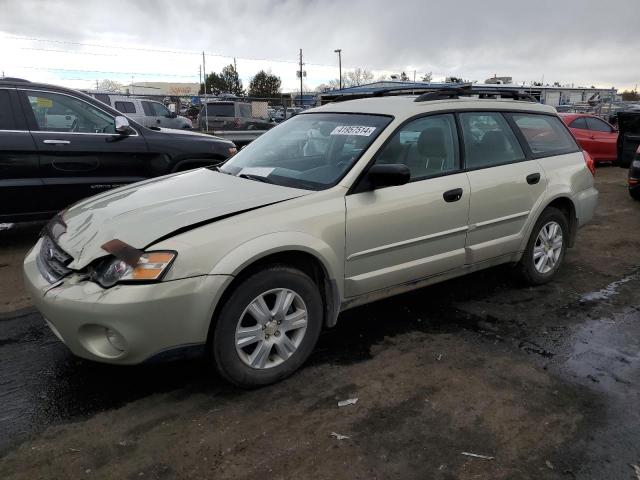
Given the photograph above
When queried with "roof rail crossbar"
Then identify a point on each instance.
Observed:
(447, 93)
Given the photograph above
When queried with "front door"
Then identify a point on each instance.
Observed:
(405, 233)
(84, 156)
(505, 186)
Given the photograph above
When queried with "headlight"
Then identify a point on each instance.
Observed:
(151, 267)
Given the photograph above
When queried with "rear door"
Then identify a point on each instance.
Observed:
(505, 185)
(21, 189)
(604, 139)
(582, 133)
(85, 157)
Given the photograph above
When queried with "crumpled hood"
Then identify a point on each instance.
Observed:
(141, 213)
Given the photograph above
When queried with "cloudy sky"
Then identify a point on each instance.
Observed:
(76, 42)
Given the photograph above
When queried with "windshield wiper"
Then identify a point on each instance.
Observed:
(257, 178)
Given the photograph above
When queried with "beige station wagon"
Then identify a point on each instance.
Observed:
(339, 206)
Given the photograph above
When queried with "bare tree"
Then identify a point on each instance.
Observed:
(112, 86)
(427, 77)
(358, 76)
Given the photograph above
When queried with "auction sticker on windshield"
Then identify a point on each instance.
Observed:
(353, 130)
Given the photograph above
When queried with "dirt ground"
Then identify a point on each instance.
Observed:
(543, 382)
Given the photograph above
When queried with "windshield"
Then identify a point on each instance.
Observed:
(311, 151)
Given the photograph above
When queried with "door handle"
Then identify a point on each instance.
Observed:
(533, 178)
(56, 142)
(452, 195)
(592, 137)
(158, 121)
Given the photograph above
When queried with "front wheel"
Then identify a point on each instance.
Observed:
(545, 249)
(268, 327)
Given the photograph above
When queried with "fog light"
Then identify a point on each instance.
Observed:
(115, 339)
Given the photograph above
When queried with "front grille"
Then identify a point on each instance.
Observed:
(52, 260)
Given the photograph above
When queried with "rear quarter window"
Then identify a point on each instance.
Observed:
(6, 112)
(221, 110)
(125, 107)
(545, 135)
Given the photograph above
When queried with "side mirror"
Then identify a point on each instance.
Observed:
(122, 124)
(380, 176)
(172, 115)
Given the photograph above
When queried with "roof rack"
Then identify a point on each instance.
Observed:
(447, 93)
(385, 92)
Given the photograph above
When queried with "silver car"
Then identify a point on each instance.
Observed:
(339, 206)
(149, 113)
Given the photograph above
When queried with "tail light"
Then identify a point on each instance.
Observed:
(590, 163)
(236, 123)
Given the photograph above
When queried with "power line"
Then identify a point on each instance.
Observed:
(157, 74)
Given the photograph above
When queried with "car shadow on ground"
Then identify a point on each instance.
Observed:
(47, 384)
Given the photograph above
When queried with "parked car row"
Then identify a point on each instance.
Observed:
(339, 206)
(58, 146)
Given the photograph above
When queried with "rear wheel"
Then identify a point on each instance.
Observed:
(268, 327)
(545, 249)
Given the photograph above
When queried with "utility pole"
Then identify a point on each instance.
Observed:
(204, 71)
(236, 79)
(339, 52)
(200, 73)
(206, 106)
(96, 84)
(301, 77)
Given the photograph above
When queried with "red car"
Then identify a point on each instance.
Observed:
(595, 136)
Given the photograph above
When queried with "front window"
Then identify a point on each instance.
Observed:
(62, 113)
(311, 151)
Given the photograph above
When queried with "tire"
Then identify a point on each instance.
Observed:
(542, 270)
(635, 193)
(265, 354)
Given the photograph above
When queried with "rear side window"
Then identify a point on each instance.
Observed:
(103, 98)
(598, 125)
(580, 123)
(221, 110)
(545, 134)
(6, 112)
(125, 107)
(489, 140)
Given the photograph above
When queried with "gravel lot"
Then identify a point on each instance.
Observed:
(543, 381)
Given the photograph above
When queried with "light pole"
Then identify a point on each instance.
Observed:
(339, 52)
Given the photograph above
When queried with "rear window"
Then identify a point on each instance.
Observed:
(545, 134)
(221, 110)
(125, 107)
(103, 98)
(6, 112)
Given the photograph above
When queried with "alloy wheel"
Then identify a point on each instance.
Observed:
(271, 328)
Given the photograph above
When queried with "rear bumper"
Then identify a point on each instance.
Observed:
(149, 319)
(585, 203)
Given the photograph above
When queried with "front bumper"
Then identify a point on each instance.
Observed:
(149, 319)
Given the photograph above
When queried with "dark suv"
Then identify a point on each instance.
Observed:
(58, 145)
